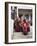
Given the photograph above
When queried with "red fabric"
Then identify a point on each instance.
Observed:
(26, 27)
(17, 29)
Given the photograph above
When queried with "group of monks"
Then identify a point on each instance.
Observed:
(21, 25)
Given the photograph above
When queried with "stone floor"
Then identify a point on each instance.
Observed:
(20, 35)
